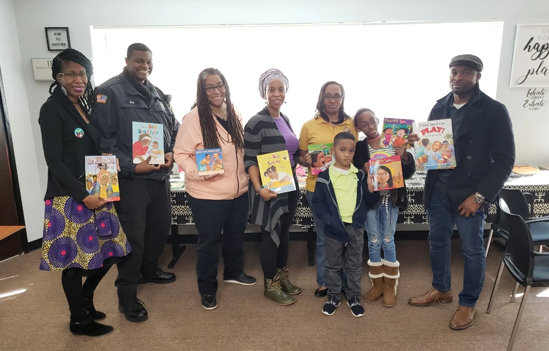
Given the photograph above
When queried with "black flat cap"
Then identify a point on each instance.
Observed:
(467, 60)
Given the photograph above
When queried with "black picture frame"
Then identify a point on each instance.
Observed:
(57, 45)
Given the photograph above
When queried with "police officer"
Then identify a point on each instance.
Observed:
(144, 206)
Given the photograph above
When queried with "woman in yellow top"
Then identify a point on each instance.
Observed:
(330, 119)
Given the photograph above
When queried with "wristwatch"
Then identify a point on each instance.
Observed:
(479, 199)
(258, 190)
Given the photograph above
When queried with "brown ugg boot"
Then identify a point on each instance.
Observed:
(376, 277)
(390, 276)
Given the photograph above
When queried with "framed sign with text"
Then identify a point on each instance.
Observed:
(531, 57)
(58, 38)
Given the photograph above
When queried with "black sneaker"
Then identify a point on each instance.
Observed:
(133, 309)
(356, 308)
(242, 279)
(209, 302)
(331, 305)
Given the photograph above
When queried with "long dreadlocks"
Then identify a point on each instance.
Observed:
(210, 135)
(86, 101)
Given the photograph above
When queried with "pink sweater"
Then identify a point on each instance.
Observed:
(227, 186)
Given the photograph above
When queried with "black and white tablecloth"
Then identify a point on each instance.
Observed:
(536, 184)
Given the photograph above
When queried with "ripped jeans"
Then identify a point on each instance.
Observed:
(381, 226)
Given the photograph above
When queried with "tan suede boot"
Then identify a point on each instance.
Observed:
(390, 276)
(376, 277)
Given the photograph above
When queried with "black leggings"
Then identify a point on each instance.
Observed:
(76, 292)
(273, 257)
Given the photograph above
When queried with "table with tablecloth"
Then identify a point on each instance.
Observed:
(535, 184)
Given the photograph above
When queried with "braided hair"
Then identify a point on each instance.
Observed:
(210, 134)
(87, 100)
(320, 104)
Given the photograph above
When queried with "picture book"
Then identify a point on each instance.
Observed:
(321, 157)
(102, 177)
(387, 171)
(396, 131)
(148, 140)
(209, 161)
(435, 148)
(276, 172)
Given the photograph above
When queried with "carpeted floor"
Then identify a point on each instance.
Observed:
(37, 319)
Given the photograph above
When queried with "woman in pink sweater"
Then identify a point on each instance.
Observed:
(219, 202)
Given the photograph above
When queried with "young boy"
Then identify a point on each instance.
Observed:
(341, 200)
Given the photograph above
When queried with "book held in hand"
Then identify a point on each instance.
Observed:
(387, 171)
(209, 162)
(276, 172)
(321, 157)
(435, 148)
(396, 131)
(148, 140)
(102, 177)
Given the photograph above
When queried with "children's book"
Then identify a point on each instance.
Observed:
(435, 148)
(276, 172)
(396, 131)
(102, 177)
(321, 157)
(148, 140)
(209, 162)
(387, 171)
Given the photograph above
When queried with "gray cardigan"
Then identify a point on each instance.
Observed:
(261, 136)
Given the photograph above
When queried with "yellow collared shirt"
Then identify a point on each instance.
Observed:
(345, 188)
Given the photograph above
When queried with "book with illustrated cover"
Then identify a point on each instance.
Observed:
(387, 171)
(276, 172)
(321, 157)
(209, 161)
(396, 131)
(148, 140)
(102, 177)
(435, 148)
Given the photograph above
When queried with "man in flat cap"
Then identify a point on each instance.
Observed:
(485, 154)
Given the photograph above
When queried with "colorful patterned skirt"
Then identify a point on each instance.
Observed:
(77, 237)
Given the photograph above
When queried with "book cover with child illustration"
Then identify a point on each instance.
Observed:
(102, 177)
(435, 148)
(396, 131)
(209, 161)
(148, 140)
(386, 171)
(276, 172)
(321, 157)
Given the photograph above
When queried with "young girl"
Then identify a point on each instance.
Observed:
(382, 218)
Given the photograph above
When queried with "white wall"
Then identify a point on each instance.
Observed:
(17, 111)
(33, 15)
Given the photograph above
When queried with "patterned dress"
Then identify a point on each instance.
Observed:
(77, 237)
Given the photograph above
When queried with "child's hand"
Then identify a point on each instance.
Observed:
(146, 167)
(370, 181)
(412, 138)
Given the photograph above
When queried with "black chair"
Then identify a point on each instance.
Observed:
(521, 204)
(528, 268)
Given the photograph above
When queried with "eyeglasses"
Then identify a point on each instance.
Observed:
(336, 97)
(220, 88)
(72, 75)
(365, 125)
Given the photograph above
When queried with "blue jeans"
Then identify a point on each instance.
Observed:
(381, 226)
(442, 217)
(321, 249)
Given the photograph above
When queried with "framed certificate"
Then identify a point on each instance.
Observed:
(58, 38)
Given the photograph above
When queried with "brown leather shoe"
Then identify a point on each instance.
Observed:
(463, 318)
(430, 297)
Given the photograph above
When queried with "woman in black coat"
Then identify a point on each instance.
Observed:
(82, 234)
